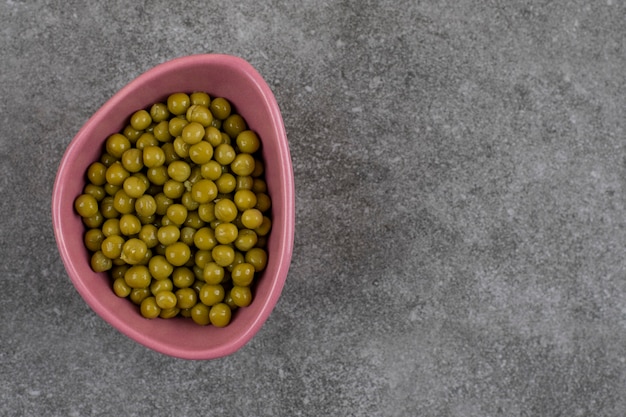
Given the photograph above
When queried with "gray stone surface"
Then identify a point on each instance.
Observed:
(461, 187)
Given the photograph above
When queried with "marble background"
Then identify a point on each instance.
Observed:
(460, 170)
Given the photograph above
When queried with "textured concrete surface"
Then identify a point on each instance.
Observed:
(461, 187)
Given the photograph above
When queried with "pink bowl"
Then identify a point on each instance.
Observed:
(219, 75)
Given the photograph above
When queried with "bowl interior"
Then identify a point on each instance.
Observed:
(219, 75)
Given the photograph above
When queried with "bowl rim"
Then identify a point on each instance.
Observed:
(287, 183)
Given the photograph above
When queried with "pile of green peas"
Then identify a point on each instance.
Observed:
(177, 210)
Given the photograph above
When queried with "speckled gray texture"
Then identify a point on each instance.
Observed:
(461, 186)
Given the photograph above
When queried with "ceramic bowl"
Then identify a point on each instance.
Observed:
(219, 75)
